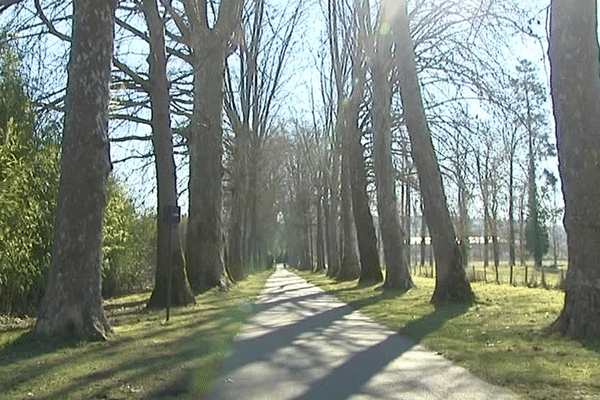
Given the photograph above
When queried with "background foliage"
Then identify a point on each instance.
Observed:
(29, 179)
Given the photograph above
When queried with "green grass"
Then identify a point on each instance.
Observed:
(500, 338)
(148, 358)
(476, 272)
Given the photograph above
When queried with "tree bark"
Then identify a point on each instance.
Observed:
(304, 225)
(72, 304)
(235, 259)
(511, 215)
(349, 267)
(397, 274)
(365, 230)
(204, 242)
(451, 281)
(204, 238)
(320, 237)
(370, 268)
(332, 216)
(574, 66)
(158, 91)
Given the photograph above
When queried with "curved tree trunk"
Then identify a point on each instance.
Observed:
(575, 86)
(158, 90)
(72, 302)
(397, 274)
(451, 281)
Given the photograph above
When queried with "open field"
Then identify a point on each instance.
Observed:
(500, 338)
(148, 358)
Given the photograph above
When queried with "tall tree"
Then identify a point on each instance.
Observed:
(350, 266)
(339, 239)
(576, 97)
(250, 100)
(370, 268)
(72, 303)
(397, 273)
(451, 281)
(158, 91)
(210, 45)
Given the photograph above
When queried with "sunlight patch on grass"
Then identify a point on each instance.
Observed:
(500, 338)
(148, 358)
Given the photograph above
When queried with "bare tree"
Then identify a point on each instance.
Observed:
(397, 272)
(210, 44)
(251, 90)
(158, 91)
(370, 268)
(451, 281)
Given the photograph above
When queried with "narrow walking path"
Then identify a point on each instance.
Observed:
(303, 344)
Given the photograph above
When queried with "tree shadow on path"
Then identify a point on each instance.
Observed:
(362, 366)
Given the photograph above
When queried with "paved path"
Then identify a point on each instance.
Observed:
(303, 344)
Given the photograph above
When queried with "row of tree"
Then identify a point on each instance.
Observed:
(376, 115)
(375, 60)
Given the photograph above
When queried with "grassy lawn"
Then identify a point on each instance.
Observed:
(477, 272)
(500, 338)
(148, 358)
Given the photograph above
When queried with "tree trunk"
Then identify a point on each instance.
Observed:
(392, 235)
(72, 304)
(349, 267)
(451, 281)
(333, 257)
(486, 235)
(423, 238)
(204, 238)
(204, 242)
(158, 90)
(575, 87)
(365, 230)
(496, 249)
(235, 260)
(253, 244)
(511, 217)
(304, 218)
(320, 237)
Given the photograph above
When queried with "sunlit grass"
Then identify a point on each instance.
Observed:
(477, 272)
(148, 358)
(500, 338)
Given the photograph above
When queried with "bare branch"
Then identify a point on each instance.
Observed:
(130, 138)
(49, 23)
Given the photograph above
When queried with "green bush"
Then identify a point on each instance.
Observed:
(128, 244)
(28, 188)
